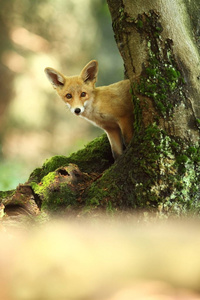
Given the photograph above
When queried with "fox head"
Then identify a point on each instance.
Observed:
(76, 91)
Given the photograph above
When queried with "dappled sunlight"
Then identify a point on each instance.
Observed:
(14, 61)
(29, 40)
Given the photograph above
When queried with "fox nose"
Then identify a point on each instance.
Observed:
(77, 111)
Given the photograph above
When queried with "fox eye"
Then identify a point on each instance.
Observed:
(83, 94)
(69, 96)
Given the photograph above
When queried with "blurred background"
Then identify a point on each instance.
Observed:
(34, 122)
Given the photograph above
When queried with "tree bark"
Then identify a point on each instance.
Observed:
(159, 46)
(161, 30)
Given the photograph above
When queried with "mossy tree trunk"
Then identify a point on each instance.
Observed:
(158, 41)
(160, 170)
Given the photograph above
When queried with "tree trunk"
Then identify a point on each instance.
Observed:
(159, 171)
(156, 41)
(160, 51)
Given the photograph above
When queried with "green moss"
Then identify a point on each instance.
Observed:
(139, 24)
(192, 151)
(6, 194)
(110, 209)
(121, 13)
(167, 175)
(198, 123)
(36, 175)
(174, 145)
(181, 159)
(103, 193)
(45, 183)
(137, 113)
(161, 80)
(54, 163)
(95, 157)
(163, 177)
(54, 195)
(95, 195)
(151, 72)
(159, 28)
(162, 83)
(172, 74)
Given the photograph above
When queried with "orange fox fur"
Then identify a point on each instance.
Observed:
(108, 107)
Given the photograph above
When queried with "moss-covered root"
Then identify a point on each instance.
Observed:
(59, 184)
(95, 157)
(61, 188)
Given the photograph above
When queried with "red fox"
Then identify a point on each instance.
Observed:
(108, 107)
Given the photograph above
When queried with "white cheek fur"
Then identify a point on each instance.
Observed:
(85, 103)
(68, 105)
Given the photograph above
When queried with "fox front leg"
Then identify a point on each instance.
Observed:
(115, 139)
(126, 126)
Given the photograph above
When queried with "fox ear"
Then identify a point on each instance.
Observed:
(89, 72)
(56, 78)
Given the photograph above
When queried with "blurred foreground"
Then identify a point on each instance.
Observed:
(103, 260)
